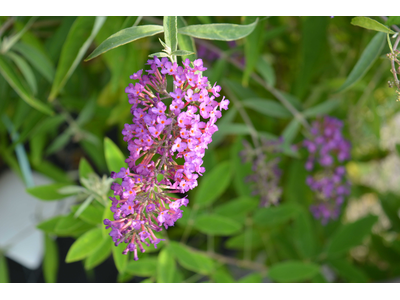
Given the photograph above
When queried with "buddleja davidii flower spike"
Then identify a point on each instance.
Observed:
(328, 151)
(160, 133)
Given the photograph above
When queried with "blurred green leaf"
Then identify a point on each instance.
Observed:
(91, 214)
(323, 108)
(191, 260)
(114, 157)
(8, 42)
(84, 245)
(75, 47)
(252, 47)
(370, 24)
(222, 275)
(49, 225)
(25, 69)
(100, 254)
(84, 168)
(171, 32)
(265, 69)
(303, 234)
(4, 278)
(275, 215)
(368, 57)
(214, 184)
(125, 36)
(120, 260)
(185, 42)
(348, 271)
(83, 206)
(9, 74)
(60, 141)
(50, 260)
(392, 20)
(267, 107)
(143, 267)
(293, 271)
(166, 267)
(238, 206)
(182, 53)
(221, 32)
(216, 225)
(290, 132)
(238, 242)
(48, 192)
(350, 235)
(68, 226)
(251, 278)
(391, 205)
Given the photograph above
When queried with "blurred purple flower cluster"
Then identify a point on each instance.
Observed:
(266, 172)
(166, 125)
(328, 151)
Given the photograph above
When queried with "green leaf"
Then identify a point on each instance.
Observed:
(84, 245)
(293, 271)
(239, 242)
(370, 24)
(10, 41)
(120, 259)
(100, 254)
(221, 32)
(75, 47)
(368, 57)
(50, 260)
(166, 267)
(185, 42)
(171, 32)
(323, 108)
(252, 47)
(84, 168)
(68, 226)
(25, 69)
(237, 207)
(191, 260)
(182, 53)
(350, 235)
(391, 205)
(303, 234)
(159, 54)
(275, 215)
(267, 107)
(222, 275)
(4, 278)
(83, 206)
(348, 271)
(216, 225)
(37, 59)
(265, 69)
(48, 192)
(290, 131)
(114, 157)
(214, 184)
(125, 36)
(251, 278)
(392, 20)
(14, 80)
(143, 267)
(49, 225)
(91, 214)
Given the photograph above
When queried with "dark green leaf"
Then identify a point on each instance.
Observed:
(252, 47)
(221, 32)
(238, 206)
(25, 69)
(191, 260)
(214, 184)
(48, 192)
(186, 42)
(49, 225)
(125, 36)
(239, 242)
(350, 235)
(275, 215)
(13, 79)
(303, 234)
(114, 158)
(391, 205)
(100, 254)
(143, 267)
(348, 271)
(60, 141)
(370, 24)
(171, 32)
(293, 271)
(265, 69)
(267, 107)
(216, 225)
(120, 260)
(166, 267)
(368, 57)
(68, 226)
(4, 278)
(84, 245)
(50, 260)
(321, 109)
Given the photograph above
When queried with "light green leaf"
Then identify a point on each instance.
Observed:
(171, 32)
(290, 131)
(267, 107)
(191, 260)
(83, 206)
(221, 32)
(114, 158)
(75, 47)
(368, 57)
(48, 192)
(84, 245)
(370, 24)
(49, 225)
(166, 266)
(159, 54)
(321, 109)
(91, 215)
(120, 259)
(10, 41)
(350, 235)
(251, 278)
(222, 275)
(14, 80)
(293, 271)
(100, 254)
(185, 42)
(275, 215)
(393, 20)
(214, 184)
(125, 36)
(84, 168)
(348, 271)
(216, 225)
(143, 267)
(68, 226)
(50, 260)
(25, 69)
(4, 278)
(182, 53)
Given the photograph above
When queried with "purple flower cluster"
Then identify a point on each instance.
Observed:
(266, 172)
(328, 150)
(166, 126)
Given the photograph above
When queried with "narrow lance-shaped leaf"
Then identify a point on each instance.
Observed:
(170, 32)
(125, 36)
(366, 60)
(4, 278)
(252, 49)
(186, 42)
(114, 157)
(50, 261)
(370, 24)
(221, 32)
(25, 69)
(84, 245)
(321, 109)
(73, 51)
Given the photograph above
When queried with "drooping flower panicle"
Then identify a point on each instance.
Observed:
(166, 125)
(328, 151)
